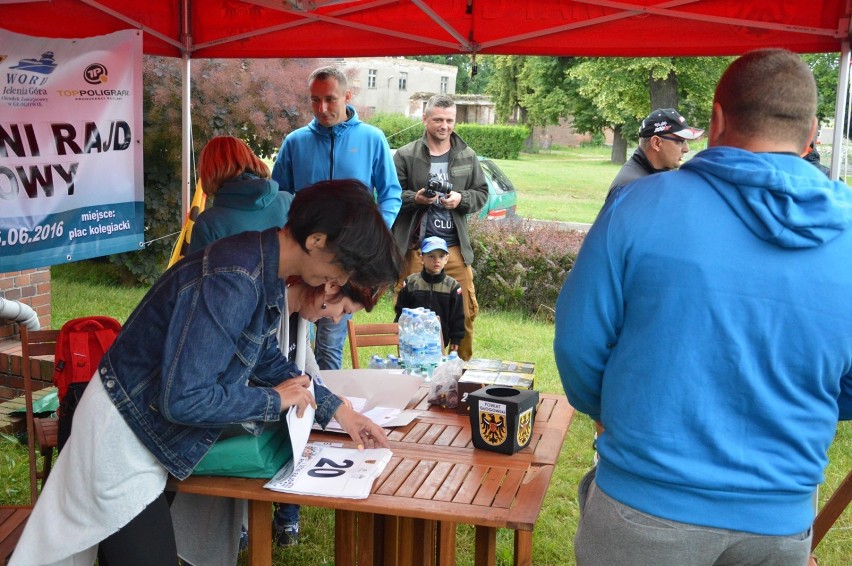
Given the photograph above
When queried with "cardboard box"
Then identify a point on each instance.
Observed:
(481, 372)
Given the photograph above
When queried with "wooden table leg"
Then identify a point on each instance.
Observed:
(391, 546)
(410, 540)
(260, 533)
(486, 546)
(446, 545)
(523, 548)
(344, 537)
(366, 539)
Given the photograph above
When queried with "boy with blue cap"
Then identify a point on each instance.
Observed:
(435, 290)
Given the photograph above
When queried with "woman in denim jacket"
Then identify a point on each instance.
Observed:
(197, 354)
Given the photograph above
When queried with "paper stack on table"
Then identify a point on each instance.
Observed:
(332, 471)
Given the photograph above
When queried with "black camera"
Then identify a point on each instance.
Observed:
(436, 185)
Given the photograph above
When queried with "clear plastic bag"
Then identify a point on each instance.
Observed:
(443, 389)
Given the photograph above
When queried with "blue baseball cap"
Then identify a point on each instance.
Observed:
(433, 243)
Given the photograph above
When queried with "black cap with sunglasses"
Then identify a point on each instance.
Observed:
(667, 121)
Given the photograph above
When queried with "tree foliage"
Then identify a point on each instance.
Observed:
(825, 67)
(257, 100)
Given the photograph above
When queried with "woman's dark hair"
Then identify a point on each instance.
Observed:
(366, 296)
(344, 210)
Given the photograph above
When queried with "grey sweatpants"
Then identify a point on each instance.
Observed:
(611, 534)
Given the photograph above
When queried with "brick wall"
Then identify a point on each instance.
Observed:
(31, 287)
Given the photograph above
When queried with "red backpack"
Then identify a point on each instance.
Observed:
(79, 348)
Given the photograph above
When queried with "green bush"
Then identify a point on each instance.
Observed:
(398, 128)
(521, 266)
(496, 142)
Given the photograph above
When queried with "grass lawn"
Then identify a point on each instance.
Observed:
(566, 184)
(563, 184)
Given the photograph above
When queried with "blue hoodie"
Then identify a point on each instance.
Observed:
(706, 324)
(348, 150)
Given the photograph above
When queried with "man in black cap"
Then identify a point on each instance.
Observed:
(663, 140)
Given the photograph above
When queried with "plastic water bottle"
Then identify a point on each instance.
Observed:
(377, 362)
(393, 362)
(432, 328)
(405, 337)
(417, 339)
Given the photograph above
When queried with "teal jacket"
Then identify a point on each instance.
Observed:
(242, 204)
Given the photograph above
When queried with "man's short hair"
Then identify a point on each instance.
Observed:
(769, 93)
(438, 101)
(325, 73)
(344, 210)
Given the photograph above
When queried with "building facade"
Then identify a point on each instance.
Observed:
(386, 84)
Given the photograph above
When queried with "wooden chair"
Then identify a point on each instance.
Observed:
(364, 335)
(832, 510)
(12, 522)
(44, 433)
(13, 518)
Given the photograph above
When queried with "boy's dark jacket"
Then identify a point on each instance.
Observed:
(439, 293)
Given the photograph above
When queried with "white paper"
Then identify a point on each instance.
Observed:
(331, 471)
(300, 428)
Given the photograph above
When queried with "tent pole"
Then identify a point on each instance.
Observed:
(186, 149)
(186, 118)
(840, 109)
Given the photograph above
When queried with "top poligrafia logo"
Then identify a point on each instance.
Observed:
(95, 74)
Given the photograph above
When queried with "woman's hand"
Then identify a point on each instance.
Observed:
(363, 431)
(294, 391)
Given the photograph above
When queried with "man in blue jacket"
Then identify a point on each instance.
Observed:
(335, 145)
(706, 325)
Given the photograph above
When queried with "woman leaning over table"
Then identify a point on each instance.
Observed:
(197, 354)
(207, 528)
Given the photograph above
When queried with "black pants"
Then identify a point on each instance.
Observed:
(147, 540)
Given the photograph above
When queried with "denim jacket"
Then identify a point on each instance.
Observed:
(200, 352)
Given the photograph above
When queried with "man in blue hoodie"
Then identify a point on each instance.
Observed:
(706, 325)
(337, 145)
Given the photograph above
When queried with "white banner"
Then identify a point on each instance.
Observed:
(71, 184)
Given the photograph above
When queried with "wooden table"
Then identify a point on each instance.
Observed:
(434, 480)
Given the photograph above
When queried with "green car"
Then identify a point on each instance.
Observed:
(502, 196)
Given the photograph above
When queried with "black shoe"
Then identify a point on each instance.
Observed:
(288, 535)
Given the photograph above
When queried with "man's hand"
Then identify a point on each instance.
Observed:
(294, 391)
(451, 201)
(363, 431)
(421, 198)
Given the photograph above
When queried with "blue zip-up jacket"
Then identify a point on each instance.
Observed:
(349, 150)
(706, 324)
(244, 203)
(200, 352)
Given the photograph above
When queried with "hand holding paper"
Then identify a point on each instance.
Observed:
(296, 392)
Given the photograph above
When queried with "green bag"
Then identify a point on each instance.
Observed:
(248, 456)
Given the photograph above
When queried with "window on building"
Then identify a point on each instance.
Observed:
(403, 81)
(445, 82)
(371, 78)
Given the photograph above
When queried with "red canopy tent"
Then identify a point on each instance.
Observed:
(335, 28)
(329, 28)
